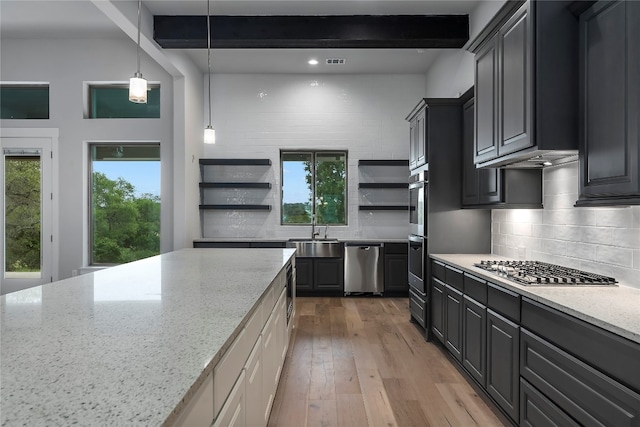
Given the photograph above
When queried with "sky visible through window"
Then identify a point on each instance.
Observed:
(144, 175)
(297, 190)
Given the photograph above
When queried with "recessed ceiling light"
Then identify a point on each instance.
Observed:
(313, 62)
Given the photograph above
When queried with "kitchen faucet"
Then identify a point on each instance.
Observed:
(326, 228)
(314, 233)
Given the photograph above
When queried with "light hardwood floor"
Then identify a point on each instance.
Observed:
(360, 362)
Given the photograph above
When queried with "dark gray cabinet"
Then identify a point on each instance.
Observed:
(437, 306)
(491, 187)
(503, 362)
(474, 339)
(453, 322)
(396, 273)
(538, 411)
(609, 104)
(417, 136)
(319, 276)
(525, 72)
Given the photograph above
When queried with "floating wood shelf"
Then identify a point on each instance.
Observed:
(383, 185)
(237, 207)
(383, 163)
(236, 162)
(264, 185)
(383, 208)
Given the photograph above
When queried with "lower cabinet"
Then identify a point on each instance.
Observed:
(319, 276)
(503, 362)
(241, 389)
(538, 411)
(474, 339)
(396, 269)
(438, 295)
(453, 322)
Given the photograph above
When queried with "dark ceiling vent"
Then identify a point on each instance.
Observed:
(336, 61)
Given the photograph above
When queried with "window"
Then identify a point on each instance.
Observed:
(24, 101)
(125, 202)
(111, 101)
(314, 182)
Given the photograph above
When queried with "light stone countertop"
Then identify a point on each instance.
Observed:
(123, 346)
(613, 308)
(275, 239)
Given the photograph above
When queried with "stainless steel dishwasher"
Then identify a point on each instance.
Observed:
(363, 268)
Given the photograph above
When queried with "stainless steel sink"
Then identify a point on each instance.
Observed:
(324, 248)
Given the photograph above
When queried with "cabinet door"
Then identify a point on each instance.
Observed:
(503, 362)
(304, 274)
(232, 413)
(253, 387)
(438, 295)
(486, 103)
(609, 87)
(453, 322)
(469, 171)
(514, 74)
(421, 140)
(490, 181)
(328, 274)
(269, 364)
(396, 276)
(474, 327)
(413, 139)
(538, 411)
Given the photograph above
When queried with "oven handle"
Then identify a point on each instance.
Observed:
(416, 239)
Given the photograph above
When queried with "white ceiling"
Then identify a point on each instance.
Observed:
(81, 18)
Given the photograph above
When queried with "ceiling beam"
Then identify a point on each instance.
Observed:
(334, 31)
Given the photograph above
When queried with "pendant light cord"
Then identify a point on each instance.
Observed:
(138, 50)
(209, 56)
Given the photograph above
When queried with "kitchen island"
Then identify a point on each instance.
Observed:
(130, 345)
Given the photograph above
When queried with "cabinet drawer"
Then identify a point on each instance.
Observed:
(417, 307)
(538, 411)
(475, 288)
(614, 355)
(504, 302)
(233, 412)
(254, 326)
(437, 270)
(396, 248)
(453, 277)
(199, 411)
(228, 370)
(584, 393)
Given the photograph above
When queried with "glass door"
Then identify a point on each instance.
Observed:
(26, 213)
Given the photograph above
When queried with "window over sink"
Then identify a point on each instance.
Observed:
(313, 183)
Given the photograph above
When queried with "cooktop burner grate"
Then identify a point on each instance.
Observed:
(531, 273)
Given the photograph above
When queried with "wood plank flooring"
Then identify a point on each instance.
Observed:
(359, 362)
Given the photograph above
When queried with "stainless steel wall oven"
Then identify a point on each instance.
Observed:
(418, 197)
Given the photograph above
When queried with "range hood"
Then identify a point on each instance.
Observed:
(531, 159)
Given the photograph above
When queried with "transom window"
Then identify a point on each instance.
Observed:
(111, 101)
(314, 183)
(24, 101)
(125, 202)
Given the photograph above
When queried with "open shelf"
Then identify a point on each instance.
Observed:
(264, 185)
(383, 185)
(383, 163)
(237, 207)
(383, 208)
(236, 162)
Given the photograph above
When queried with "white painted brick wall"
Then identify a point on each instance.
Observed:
(255, 116)
(602, 240)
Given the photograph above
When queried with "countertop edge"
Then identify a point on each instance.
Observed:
(530, 293)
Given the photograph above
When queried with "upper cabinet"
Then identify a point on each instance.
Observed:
(417, 136)
(525, 82)
(609, 98)
(492, 188)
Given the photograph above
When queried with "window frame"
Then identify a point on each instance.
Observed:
(314, 154)
(91, 144)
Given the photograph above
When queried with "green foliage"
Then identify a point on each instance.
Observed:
(22, 214)
(330, 192)
(296, 213)
(125, 227)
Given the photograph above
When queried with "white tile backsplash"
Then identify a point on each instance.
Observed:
(600, 240)
(256, 116)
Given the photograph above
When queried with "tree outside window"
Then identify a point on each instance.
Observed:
(314, 183)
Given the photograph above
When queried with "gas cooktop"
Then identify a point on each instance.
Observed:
(537, 273)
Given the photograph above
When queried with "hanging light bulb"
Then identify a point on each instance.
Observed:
(209, 131)
(137, 83)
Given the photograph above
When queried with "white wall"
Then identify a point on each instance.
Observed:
(66, 64)
(257, 115)
(601, 240)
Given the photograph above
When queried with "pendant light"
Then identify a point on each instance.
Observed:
(209, 131)
(137, 83)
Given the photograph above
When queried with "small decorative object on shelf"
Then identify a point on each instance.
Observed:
(398, 181)
(204, 185)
